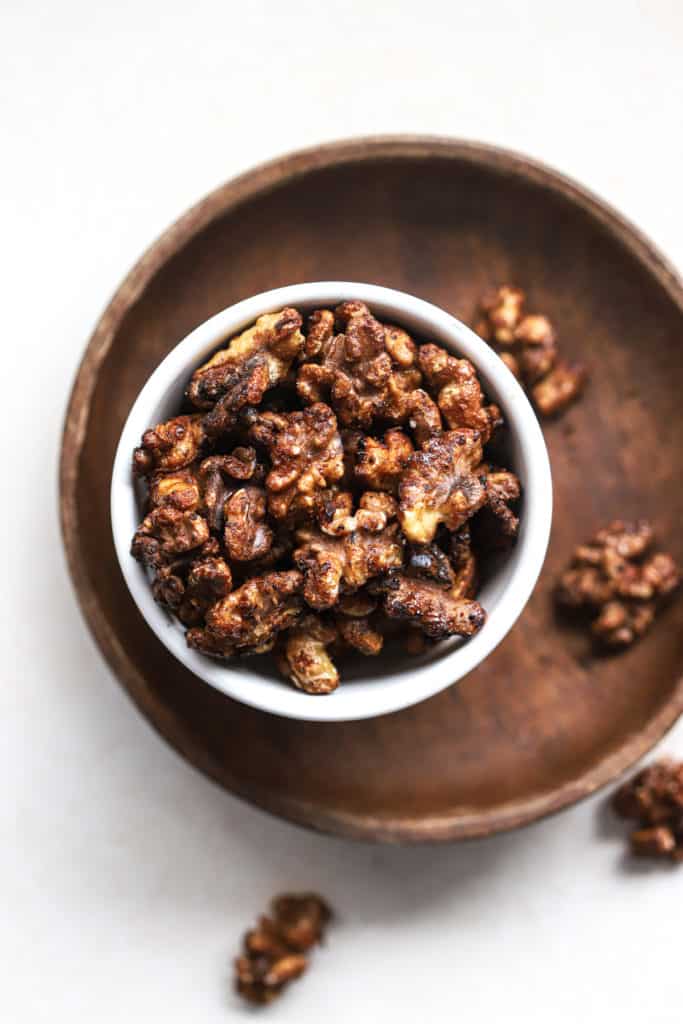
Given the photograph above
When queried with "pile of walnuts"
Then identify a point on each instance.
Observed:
(321, 482)
(654, 800)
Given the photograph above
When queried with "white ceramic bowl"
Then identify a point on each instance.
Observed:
(370, 686)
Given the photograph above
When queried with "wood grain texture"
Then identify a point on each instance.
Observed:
(541, 723)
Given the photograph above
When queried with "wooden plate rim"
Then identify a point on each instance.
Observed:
(463, 823)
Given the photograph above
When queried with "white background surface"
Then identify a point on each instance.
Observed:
(126, 878)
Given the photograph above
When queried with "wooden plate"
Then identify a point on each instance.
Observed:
(541, 723)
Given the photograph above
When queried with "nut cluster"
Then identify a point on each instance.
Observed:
(527, 344)
(320, 483)
(274, 951)
(654, 799)
(618, 580)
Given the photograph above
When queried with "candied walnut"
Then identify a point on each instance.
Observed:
(208, 581)
(654, 799)
(246, 535)
(320, 332)
(459, 395)
(336, 517)
(616, 576)
(429, 562)
(273, 952)
(357, 605)
(379, 464)
(528, 345)
(240, 375)
(559, 388)
(442, 483)
(502, 491)
(169, 446)
(304, 658)
(250, 618)
(306, 456)
(327, 562)
(502, 313)
(429, 606)
(357, 632)
(179, 489)
(165, 532)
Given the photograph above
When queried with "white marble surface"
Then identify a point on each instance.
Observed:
(126, 877)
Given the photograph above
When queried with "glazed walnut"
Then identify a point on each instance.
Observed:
(240, 375)
(169, 446)
(654, 800)
(306, 456)
(250, 618)
(304, 656)
(349, 561)
(442, 483)
(527, 343)
(273, 953)
(459, 394)
(326, 484)
(380, 464)
(619, 581)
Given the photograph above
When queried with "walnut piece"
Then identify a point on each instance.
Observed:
(169, 446)
(617, 579)
(250, 618)
(240, 375)
(306, 456)
(247, 535)
(442, 484)
(459, 394)
(304, 658)
(429, 606)
(273, 952)
(654, 799)
(165, 532)
(379, 464)
(351, 560)
(527, 343)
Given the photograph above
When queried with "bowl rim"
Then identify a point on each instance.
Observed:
(424, 680)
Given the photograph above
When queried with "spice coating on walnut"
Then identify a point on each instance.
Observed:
(306, 456)
(304, 657)
(619, 581)
(273, 952)
(653, 798)
(442, 483)
(250, 618)
(328, 562)
(380, 464)
(430, 607)
(459, 394)
(169, 446)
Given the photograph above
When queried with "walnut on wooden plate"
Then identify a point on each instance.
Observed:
(324, 486)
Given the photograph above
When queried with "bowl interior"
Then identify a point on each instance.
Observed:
(370, 686)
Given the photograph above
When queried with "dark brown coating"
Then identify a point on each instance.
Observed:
(328, 563)
(533, 728)
(654, 799)
(459, 394)
(250, 618)
(169, 446)
(430, 607)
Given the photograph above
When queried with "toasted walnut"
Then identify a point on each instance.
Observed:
(320, 332)
(179, 489)
(357, 605)
(240, 375)
(528, 345)
(379, 464)
(306, 455)
(336, 516)
(442, 484)
(502, 491)
(654, 799)
(429, 606)
(247, 535)
(166, 532)
(209, 580)
(169, 446)
(304, 658)
(456, 574)
(273, 951)
(250, 618)
(353, 559)
(459, 394)
(357, 632)
(502, 312)
(611, 575)
(559, 388)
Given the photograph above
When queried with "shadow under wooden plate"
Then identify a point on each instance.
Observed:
(540, 724)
